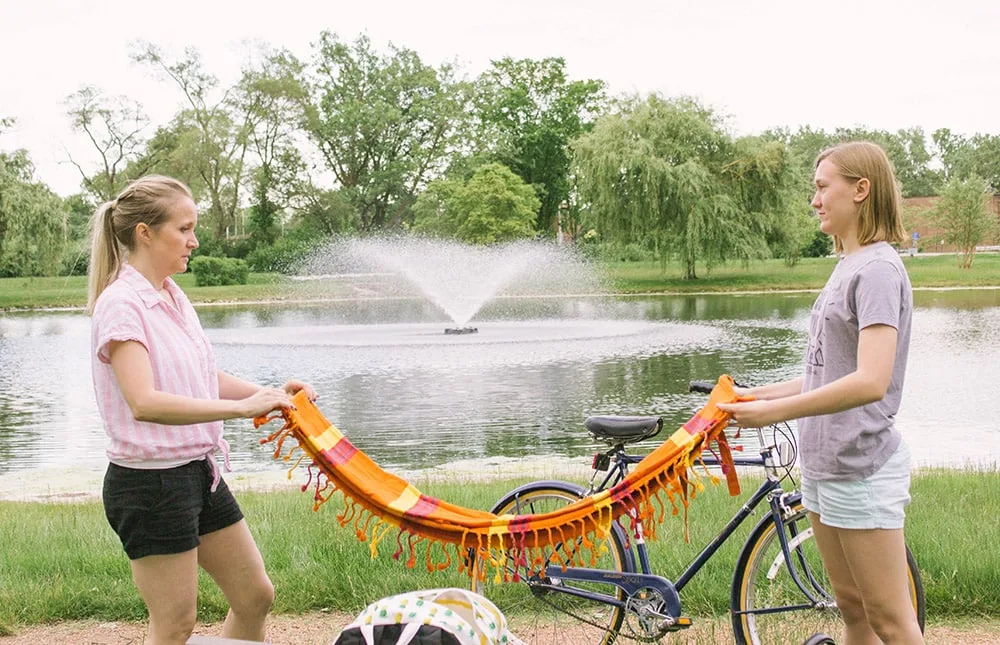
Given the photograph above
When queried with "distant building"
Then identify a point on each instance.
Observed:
(917, 220)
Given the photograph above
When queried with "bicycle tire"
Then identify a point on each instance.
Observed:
(540, 616)
(820, 639)
(761, 580)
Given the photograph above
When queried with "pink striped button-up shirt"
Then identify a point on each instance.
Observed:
(183, 363)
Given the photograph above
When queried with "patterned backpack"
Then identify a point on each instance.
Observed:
(430, 617)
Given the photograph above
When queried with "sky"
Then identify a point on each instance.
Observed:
(884, 64)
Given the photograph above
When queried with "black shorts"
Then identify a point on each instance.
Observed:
(160, 512)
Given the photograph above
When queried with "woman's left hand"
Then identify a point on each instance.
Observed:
(293, 387)
(753, 414)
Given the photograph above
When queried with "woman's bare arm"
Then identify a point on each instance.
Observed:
(134, 373)
(867, 384)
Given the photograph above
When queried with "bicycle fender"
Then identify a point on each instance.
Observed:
(578, 491)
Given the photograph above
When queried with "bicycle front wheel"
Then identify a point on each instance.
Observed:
(764, 594)
(537, 611)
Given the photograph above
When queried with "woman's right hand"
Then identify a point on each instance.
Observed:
(263, 401)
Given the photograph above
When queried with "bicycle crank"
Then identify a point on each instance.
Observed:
(647, 617)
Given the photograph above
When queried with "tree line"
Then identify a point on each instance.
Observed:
(357, 141)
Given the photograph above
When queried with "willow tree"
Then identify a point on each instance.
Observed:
(655, 172)
(774, 194)
(32, 219)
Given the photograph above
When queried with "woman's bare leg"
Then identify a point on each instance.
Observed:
(168, 585)
(231, 557)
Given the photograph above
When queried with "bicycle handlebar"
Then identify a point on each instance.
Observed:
(705, 387)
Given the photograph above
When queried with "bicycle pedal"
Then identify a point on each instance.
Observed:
(682, 622)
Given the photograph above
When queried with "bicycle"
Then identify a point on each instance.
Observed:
(778, 569)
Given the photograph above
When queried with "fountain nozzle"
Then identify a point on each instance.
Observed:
(449, 331)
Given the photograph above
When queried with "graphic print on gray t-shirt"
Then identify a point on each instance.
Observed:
(814, 355)
(868, 287)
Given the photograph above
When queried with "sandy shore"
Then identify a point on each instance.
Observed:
(82, 484)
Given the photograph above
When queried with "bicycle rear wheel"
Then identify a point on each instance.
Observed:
(762, 581)
(542, 616)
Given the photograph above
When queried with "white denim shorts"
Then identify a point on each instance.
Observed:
(876, 502)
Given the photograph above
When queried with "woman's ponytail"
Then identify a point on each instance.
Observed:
(105, 253)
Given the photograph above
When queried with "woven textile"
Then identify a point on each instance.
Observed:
(379, 504)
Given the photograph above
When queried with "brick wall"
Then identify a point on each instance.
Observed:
(915, 217)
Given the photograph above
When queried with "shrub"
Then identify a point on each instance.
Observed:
(616, 251)
(820, 246)
(284, 256)
(212, 271)
(232, 247)
(75, 258)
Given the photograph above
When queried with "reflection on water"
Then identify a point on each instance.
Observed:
(387, 377)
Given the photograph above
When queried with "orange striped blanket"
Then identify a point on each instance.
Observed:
(378, 503)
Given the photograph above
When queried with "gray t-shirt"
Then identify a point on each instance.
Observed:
(868, 287)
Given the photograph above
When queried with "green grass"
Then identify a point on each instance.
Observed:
(62, 562)
(71, 291)
(625, 277)
(810, 273)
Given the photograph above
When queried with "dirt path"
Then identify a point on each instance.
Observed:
(321, 629)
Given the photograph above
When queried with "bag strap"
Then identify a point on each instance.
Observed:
(405, 636)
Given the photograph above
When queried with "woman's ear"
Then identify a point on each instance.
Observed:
(861, 190)
(143, 232)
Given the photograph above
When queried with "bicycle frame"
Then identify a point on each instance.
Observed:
(631, 583)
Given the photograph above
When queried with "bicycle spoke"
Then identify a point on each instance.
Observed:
(540, 615)
(769, 585)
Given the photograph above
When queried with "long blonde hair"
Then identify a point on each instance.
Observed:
(880, 215)
(144, 201)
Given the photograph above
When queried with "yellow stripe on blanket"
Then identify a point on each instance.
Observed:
(406, 501)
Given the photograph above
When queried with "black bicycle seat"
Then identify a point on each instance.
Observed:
(614, 429)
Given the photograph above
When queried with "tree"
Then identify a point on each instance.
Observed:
(326, 213)
(493, 206)
(908, 150)
(768, 186)
(968, 157)
(916, 175)
(964, 215)
(384, 125)
(819, 245)
(80, 208)
(114, 127)
(270, 96)
(32, 219)
(209, 137)
(528, 112)
(653, 173)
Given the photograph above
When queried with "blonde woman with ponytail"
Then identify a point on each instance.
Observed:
(163, 400)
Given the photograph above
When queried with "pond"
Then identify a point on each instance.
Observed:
(414, 398)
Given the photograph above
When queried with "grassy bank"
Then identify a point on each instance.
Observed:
(62, 562)
(624, 277)
(71, 291)
(810, 273)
